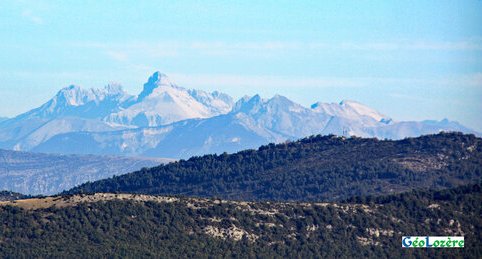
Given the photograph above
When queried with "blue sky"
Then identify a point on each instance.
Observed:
(411, 60)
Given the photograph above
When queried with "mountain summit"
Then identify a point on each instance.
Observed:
(351, 110)
(157, 79)
(161, 102)
(85, 103)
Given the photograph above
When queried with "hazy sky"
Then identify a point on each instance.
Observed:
(411, 60)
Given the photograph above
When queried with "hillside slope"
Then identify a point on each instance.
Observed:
(319, 168)
(11, 196)
(35, 173)
(139, 226)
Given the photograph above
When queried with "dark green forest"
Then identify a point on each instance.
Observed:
(317, 168)
(372, 227)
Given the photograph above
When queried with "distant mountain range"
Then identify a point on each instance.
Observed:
(33, 173)
(165, 120)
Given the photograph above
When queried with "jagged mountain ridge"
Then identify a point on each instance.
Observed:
(74, 109)
(170, 121)
(162, 102)
(252, 122)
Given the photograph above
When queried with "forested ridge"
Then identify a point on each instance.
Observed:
(212, 228)
(317, 168)
(276, 201)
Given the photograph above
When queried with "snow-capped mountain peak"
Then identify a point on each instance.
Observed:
(73, 95)
(217, 102)
(75, 101)
(362, 109)
(275, 105)
(248, 104)
(158, 79)
(281, 102)
(66, 99)
(349, 109)
(114, 89)
(155, 81)
(162, 102)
